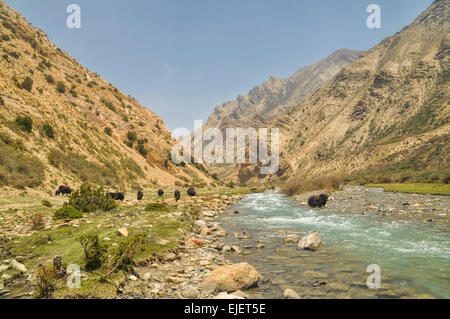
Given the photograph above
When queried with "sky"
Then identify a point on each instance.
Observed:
(182, 58)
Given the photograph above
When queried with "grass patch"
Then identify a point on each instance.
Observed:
(157, 207)
(18, 169)
(419, 188)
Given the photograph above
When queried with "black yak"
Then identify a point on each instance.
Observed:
(318, 201)
(140, 195)
(63, 190)
(177, 195)
(160, 193)
(117, 196)
(191, 192)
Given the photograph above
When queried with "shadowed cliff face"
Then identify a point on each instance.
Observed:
(80, 123)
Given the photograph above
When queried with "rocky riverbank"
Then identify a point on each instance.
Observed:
(197, 268)
(375, 201)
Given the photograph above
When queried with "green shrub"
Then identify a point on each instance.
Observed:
(46, 203)
(94, 251)
(156, 207)
(141, 147)
(27, 84)
(128, 143)
(25, 123)
(50, 79)
(61, 87)
(67, 212)
(48, 131)
(132, 136)
(125, 252)
(90, 199)
(108, 131)
(2, 102)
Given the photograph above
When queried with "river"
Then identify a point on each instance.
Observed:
(414, 258)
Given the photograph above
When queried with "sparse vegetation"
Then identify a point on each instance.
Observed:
(60, 87)
(84, 169)
(19, 170)
(27, 84)
(48, 130)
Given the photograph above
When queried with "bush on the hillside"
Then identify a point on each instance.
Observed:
(2, 102)
(48, 131)
(27, 84)
(108, 131)
(67, 212)
(50, 79)
(25, 123)
(61, 87)
(94, 251)
(132, 136)
(89, 199)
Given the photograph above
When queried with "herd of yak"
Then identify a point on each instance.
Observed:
(66, 190)
(314, 201)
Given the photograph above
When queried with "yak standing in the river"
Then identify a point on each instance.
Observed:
(63, 190)
(160, 193)
(318, 201)
(191, 192)
(117, 196)
(177, 195)
(140, 195)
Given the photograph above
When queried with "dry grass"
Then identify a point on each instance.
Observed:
(298, 186)
(37, 221)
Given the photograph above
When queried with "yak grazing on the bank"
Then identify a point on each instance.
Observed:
(63, 190)
(191, 192)
(160, 193)
(140, 195)
(117, 196)
(177, 195)
(318, 201)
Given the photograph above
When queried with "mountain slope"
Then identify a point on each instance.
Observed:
(80, 124)
(385, 116)
(276, 96)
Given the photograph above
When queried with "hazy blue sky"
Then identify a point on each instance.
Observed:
(181, 58)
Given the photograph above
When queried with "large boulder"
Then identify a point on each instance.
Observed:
(234, 277)
(310, 242)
